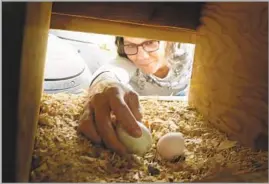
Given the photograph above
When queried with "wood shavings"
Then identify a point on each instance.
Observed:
(153, 170)
(226, 145)
(63, 155)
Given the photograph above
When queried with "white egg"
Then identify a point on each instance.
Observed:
(138, 146)
(171, 145)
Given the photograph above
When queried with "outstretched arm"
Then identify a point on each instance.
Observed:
(119, 70)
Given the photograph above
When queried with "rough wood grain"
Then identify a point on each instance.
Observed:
(230, 74)
(175, 14)
(94, 25)
(31, 80)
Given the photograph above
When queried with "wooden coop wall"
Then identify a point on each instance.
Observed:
(229, 83)
(25, 34)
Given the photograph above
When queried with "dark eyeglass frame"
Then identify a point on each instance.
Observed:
(142, 44)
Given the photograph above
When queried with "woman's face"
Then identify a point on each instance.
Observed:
(146, 54)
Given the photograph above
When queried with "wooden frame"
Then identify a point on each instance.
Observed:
(168, 14)
(156, 20)
(93, 25)
(25, 89)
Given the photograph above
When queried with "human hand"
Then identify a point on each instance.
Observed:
(106, 98)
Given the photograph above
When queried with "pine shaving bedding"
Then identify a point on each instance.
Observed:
(63, 155)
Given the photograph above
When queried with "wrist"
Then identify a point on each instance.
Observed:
(100, 85)
(104, 76)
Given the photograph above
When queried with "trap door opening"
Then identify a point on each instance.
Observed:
(97, 50)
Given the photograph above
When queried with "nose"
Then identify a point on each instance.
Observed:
(142, 54)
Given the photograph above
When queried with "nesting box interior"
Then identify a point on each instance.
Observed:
(228, 97)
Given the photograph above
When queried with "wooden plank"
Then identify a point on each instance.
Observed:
(230, 74)
(31, 80)
(173, 14)
(93, 25)
(13, 21)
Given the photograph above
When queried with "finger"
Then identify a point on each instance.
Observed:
(132, 101)
(124, 116)
(106, 130)
(87, 127)
(113, 118)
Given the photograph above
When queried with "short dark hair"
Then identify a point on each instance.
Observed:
(120, 46)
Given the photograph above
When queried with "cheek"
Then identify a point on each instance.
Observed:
(158, 57)
(132, 58)
(155, 56)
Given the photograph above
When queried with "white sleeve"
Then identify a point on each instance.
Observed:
(120, 69)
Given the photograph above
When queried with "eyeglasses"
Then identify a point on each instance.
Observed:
(148, 46)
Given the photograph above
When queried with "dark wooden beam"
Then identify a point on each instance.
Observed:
(13, 22)
(172, 14)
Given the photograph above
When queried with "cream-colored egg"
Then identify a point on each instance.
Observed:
(171, 145)
(138, 146)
